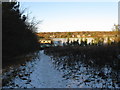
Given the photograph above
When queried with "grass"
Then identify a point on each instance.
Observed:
(91, 55)
(18, 60)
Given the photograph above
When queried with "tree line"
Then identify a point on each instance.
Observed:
(18, 34)
(77, 34)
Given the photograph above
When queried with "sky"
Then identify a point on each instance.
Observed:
(73, 16)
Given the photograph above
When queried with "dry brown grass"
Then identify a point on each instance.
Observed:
(97, 55)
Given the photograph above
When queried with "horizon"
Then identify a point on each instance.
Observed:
(73, 16)
(77, 31)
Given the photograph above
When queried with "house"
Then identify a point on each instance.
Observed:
(45, 41)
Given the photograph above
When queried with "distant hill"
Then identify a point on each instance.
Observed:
(78, 34)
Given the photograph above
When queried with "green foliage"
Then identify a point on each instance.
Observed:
(19, 36)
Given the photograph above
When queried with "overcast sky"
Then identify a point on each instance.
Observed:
(73, 16)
